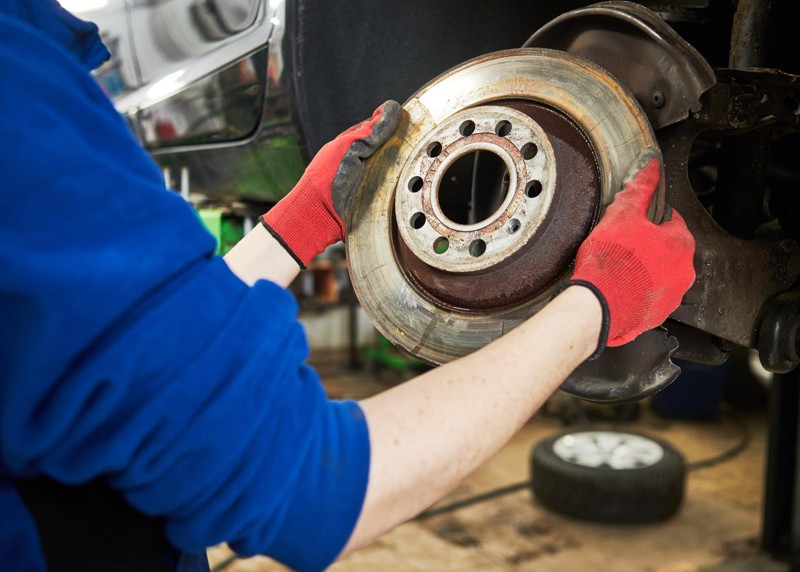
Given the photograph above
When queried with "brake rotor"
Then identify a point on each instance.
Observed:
(445, 260)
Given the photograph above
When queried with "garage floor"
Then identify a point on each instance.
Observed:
(715, 530)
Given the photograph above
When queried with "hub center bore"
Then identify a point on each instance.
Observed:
(458, 196)
(469, 182)
(476, 189)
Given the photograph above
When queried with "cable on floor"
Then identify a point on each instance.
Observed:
(727, 455)
(731, 453)
(625, 416)
(493, 494)
(585, 423)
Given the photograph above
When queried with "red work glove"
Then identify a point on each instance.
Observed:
(639, 270)
(310, 217)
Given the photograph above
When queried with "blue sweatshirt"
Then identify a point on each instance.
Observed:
(129, 352)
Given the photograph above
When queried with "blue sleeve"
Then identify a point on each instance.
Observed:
(128, 351)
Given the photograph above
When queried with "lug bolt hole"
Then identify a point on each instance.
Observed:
(415, 184)
(417, 221)
(529, 151)
(513, 226)
(477, 248)
(440, 245)
(533, 189)
(434, 149)
(467, 128)
(503, 128)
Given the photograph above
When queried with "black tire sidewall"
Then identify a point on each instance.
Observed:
(603, 494)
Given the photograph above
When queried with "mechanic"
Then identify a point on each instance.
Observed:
(133, 359)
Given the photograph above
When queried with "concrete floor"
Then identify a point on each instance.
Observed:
(715, 530)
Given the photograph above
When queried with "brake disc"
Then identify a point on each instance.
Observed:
(468, 220)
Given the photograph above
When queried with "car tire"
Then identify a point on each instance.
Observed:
(608, 476)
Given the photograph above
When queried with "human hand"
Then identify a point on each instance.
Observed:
(311, 216)
(638, 269)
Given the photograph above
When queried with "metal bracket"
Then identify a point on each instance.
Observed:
(627, 373)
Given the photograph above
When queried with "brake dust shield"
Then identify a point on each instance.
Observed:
(468, 219)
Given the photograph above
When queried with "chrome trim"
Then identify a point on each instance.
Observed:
(197, 67)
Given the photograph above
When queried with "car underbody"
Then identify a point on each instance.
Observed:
(522, 119)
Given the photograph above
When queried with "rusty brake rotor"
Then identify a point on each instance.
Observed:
(469, 218)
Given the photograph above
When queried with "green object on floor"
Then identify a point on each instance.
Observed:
(385, 354)
(227, 228)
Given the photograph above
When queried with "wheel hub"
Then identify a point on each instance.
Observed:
(462, 220)
(528, 249)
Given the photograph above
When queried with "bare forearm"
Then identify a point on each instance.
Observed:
(430, 433)
(258, 256)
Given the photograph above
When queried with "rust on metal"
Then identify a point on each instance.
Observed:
(550, 252)
(735, 276)
(489, 205)
(568, 94)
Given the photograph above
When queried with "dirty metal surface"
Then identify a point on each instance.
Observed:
(613, 122)
(663, 71)
(549, 253)
(698, 346)
(779, 335)
(751, 35)
(629, 372)
(734, 276)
